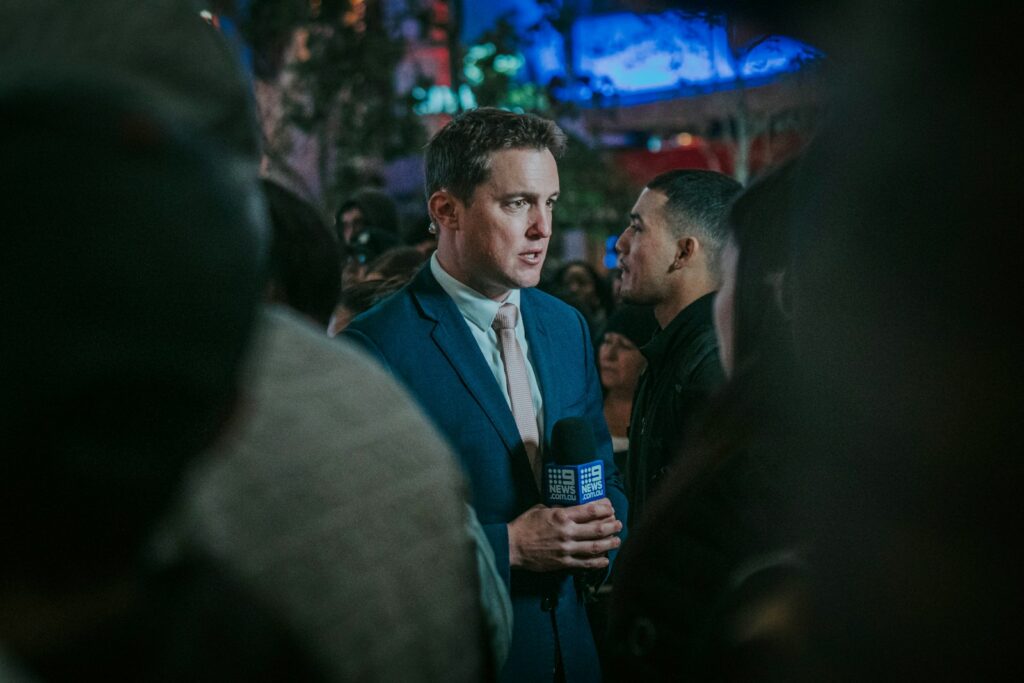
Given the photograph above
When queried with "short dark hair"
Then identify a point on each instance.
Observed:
(697, 203)
(459, 155)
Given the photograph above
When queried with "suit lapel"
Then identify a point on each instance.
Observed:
(542, 356)
(452, 336)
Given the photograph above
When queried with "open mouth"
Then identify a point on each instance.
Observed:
(532, 257)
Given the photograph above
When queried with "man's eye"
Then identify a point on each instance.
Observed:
(517, 203)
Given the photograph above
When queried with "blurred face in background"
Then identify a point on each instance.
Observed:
(725, 306)
(351, 223)
(577, 281)
(620, 363)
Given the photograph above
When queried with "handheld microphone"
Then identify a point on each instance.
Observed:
(577, 476)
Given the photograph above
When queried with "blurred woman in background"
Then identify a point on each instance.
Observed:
(620, 363)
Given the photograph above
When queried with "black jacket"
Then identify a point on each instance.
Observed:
(710, 585)
(683, 370)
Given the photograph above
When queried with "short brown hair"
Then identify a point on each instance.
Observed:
(458, 156)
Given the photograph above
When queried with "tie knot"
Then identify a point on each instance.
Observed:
(507, 317)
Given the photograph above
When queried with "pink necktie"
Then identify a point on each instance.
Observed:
(518, 384)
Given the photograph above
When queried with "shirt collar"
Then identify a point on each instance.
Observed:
(474, 306)
(698, 312)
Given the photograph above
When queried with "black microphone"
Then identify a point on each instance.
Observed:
(576, 476)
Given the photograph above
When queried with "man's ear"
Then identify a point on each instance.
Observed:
(687, 249)
(444, 210)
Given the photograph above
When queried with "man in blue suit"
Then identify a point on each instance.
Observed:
(496, 364)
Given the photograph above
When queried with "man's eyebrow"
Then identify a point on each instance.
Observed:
(635, 217)
(524, 195)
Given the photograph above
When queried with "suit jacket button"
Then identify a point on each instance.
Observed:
(546, 603)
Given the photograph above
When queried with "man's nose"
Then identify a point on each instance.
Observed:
(540, 226)
(620, 244)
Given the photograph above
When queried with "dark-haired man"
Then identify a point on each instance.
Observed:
(669, 259)
(496, 364)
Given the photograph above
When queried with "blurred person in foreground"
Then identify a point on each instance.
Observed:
(272, 504)
(407, 593)
(669, 257)
(496, 364)
(908, 325)
(162, 47)
(131, 270)
(710, 585)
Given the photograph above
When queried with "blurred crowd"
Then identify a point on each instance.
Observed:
(248, 441)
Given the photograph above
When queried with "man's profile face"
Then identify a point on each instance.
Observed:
(647, 250)
(505, 227)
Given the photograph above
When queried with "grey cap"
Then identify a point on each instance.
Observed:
(162, 48)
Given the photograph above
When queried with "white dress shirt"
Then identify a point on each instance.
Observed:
(479, 312)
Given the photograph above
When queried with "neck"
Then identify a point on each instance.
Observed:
(450, 266)
(667, 309)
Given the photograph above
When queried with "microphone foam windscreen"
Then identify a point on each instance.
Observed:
(572, 441)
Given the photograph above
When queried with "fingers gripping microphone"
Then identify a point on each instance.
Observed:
(577, 475)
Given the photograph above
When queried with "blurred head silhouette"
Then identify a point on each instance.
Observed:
(131, 267)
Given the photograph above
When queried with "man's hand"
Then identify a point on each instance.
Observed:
(544, 539)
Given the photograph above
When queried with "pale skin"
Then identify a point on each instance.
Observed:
(494, 242)
(545, 539)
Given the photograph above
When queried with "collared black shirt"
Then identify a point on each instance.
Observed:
(683, 370)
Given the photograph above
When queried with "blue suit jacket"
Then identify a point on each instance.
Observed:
(422, 337)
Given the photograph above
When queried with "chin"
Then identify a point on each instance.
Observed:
(636, 298)
(630, 298)
(527, 281)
